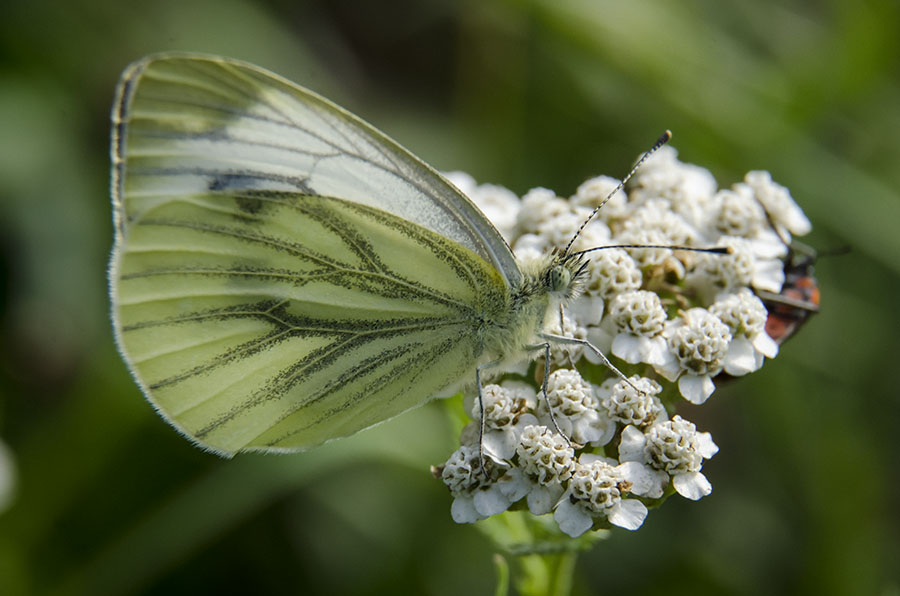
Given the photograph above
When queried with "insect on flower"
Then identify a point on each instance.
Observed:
(799, 297)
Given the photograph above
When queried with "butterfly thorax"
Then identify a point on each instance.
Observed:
(546, 283)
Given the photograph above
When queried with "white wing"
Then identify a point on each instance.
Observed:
(203, 123)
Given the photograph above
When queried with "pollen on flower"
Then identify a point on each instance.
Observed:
(507, 410)
(476, 493)
(675, 449)
(745, 315)
(575, 409)
(638, 320)
(596, 449)
(594, 234)
(688, 188)
(557, 231)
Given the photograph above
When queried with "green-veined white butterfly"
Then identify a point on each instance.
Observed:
(285, 274)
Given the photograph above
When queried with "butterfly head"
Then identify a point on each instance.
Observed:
(563, 275)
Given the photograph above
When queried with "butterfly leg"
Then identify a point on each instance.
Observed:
(481, 428)
(583, 342)
(546, 348)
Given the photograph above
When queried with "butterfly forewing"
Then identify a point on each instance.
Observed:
(191, 123)
(257, 311)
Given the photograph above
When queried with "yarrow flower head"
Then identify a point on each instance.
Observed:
(687, 187)
(593, 445)
(675, 448)
(632, 401)
(778, 203)
(598, 491)
(745, 315)
(507, 410)
(476, 493)
(575, 408)
(539, 206)
(738, 212)
(564, 325)
(699, 341)
(640, 321)
(546, 462)
(545, 457)
(711, 273)
(612, 272)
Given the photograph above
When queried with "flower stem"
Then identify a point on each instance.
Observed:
(534, 554)
(546, 574)
(502, 567)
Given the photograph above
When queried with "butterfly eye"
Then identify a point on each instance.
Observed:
(559, 279)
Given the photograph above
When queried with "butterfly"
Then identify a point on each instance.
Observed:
(284, 274)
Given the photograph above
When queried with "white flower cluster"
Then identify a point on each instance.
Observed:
(673, 320)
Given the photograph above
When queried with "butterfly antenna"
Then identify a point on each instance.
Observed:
(716, 250)
(662, 140)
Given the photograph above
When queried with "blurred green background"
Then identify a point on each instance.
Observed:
(110, 500)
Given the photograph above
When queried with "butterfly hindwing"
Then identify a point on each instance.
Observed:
(281, 320)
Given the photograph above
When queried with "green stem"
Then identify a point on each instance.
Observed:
(546, 574)
(538, 558)
(502, 567)
(565, 573)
